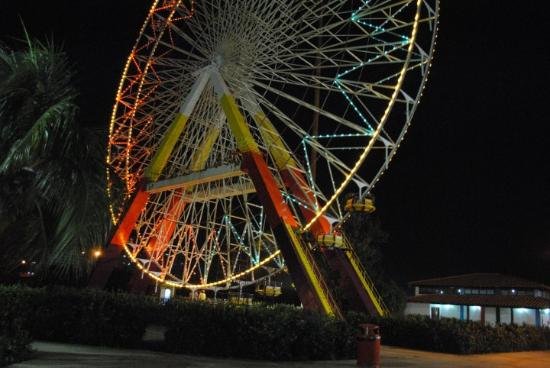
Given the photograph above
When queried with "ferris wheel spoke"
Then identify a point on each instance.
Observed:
(341, 55)
(171, 46)
(351, 88)
(311, 107)
(192, 42)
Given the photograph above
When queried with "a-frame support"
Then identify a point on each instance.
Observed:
(307, 277)
(106, 264)
(343, 260)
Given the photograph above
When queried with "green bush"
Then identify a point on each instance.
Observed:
(79, 316)
(258, 332)
(14, 342)
(460, 337)
(278, 332)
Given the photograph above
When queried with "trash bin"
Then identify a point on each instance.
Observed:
(368, 346)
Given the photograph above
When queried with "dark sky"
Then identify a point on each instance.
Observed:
(469, 188)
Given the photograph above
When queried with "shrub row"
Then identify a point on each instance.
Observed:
(14, 343)
(277, 332)
(79, 316)
(461, 337)
(102, 318)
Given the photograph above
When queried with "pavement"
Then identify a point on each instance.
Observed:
(77, 356)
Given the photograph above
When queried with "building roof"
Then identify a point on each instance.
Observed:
(481, 280)
(516, 301)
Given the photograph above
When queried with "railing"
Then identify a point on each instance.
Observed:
(316, 276)
(365, 278)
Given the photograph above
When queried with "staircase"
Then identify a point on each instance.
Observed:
(363, 283)
(314, 274)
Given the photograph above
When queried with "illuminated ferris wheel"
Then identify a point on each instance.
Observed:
(239, 125)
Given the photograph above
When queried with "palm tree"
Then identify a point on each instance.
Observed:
(53, 207)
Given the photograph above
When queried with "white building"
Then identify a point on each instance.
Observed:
(486, 297)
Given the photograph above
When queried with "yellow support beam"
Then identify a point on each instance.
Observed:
(274, 142)
(200, 158)
(237, 123)
(167, 144)
(173, 133)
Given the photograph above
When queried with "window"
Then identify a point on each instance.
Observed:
(427, 290)
(486, 291)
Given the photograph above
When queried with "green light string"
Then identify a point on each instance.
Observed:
(241, 242)
(378, 29)
(309, 173)
(294, 200)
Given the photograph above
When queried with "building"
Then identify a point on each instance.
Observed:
(486, 297)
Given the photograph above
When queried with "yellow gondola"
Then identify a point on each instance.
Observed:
(364, 205)
(269, 289)
(331, 241)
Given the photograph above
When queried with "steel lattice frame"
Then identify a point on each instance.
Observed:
(356, 67)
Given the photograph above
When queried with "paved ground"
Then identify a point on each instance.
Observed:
(77, 356)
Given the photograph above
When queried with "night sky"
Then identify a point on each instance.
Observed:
(468, 190)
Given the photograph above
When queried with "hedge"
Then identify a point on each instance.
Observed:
(14, 342)
(274, 333)
(278, 332)
(461, 337)
(79, 316)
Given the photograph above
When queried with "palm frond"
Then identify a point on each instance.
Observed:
(37, 141)
(64, 205)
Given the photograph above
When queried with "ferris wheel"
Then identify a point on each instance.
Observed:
(240, 125)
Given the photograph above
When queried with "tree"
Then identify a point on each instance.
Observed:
(53, 207)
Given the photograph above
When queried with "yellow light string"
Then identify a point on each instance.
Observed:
(378, 130)
(200, 286)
